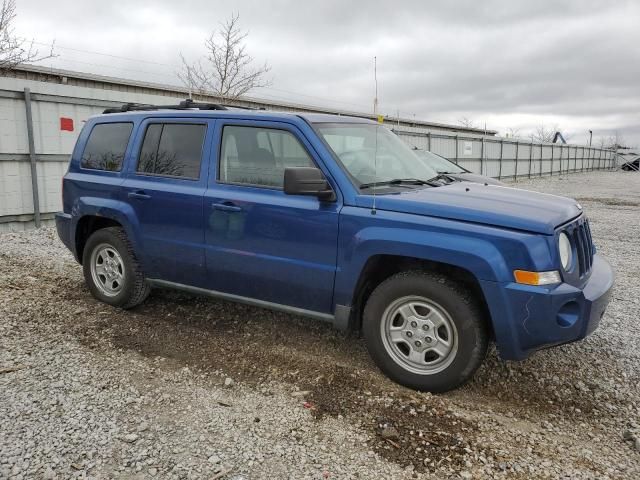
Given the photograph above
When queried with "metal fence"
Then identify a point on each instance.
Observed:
(509, 157)
(36, 141)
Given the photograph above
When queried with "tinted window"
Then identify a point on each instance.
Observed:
(106, 146)
(258, 156)
(172, 149)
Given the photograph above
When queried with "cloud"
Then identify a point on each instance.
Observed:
(509, 64)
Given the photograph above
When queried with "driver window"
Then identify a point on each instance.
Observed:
(259, 156)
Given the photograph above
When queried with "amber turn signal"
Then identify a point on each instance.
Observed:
(536, 278)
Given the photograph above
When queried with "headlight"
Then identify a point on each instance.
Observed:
(566, 254)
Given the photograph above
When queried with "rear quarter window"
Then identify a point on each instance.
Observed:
(106, 146)
(172, 150)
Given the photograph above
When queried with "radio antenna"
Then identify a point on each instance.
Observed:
(375, 153)
(375, 81)
(375, 172)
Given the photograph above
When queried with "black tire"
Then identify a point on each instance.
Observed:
(463, 310)
(134, 288)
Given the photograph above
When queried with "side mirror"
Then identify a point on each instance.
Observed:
(308, 181)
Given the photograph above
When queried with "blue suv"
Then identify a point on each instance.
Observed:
(333, 218)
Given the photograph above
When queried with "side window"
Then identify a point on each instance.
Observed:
(258, 156)
(172, 149)
(106, 146)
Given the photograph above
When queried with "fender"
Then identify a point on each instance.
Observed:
(113, 209)
(486, 252)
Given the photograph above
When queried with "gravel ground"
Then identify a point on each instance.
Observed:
(187, 387)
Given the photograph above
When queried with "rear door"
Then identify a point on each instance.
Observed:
(260, 242)
(165, 187)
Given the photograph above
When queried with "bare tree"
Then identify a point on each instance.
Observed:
(15, 50)
(467, 122)
(613, 142)
(226, 70)
(544, 133)
(513, 132)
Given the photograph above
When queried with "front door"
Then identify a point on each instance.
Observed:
(260, 242)
(165, 187)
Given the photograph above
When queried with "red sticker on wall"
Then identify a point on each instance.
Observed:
(66, 124)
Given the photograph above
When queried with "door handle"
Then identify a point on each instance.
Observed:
(226, 207)
(139, 195)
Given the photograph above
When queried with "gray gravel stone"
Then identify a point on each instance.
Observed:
(83, 392)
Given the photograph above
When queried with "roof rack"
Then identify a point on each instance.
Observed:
(187, 104)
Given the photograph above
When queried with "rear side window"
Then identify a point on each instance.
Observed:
(172, 149)
(106, 146)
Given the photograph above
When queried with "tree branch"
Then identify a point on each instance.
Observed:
(227, 70)
(15, 50)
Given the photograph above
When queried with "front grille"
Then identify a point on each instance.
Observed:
(584, 246)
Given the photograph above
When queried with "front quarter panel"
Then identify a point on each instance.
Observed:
(488, 253)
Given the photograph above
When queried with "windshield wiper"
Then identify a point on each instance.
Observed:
(441, 176)
(399, 181)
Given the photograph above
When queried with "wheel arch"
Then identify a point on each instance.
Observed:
(95, 213)
(379, 267)
(86, 226)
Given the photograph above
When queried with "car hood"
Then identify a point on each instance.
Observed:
(487, 204)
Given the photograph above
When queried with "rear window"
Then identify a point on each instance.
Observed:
(106, 146)
(172, 149)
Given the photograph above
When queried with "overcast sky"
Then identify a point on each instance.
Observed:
(504, 63)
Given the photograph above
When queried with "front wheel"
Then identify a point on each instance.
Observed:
(424, 331)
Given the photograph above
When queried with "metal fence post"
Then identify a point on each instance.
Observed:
(530, 157)
(32, 159)
(515, 174)
(429, 141)
(575, 159)
(500, 161)
(560, 158)
(582, 161)
(456, 148)
(541, 151)
(599, 158)
(482, 156)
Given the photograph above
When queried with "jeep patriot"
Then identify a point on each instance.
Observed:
(334, 218)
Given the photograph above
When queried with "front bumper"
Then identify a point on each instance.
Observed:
(527, 318)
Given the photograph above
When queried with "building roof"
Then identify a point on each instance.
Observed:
(68, 77)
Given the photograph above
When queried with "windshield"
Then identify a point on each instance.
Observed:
(438, 163)
(372, 153)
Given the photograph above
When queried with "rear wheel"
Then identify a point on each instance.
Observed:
(111, 269)
(424, 331)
